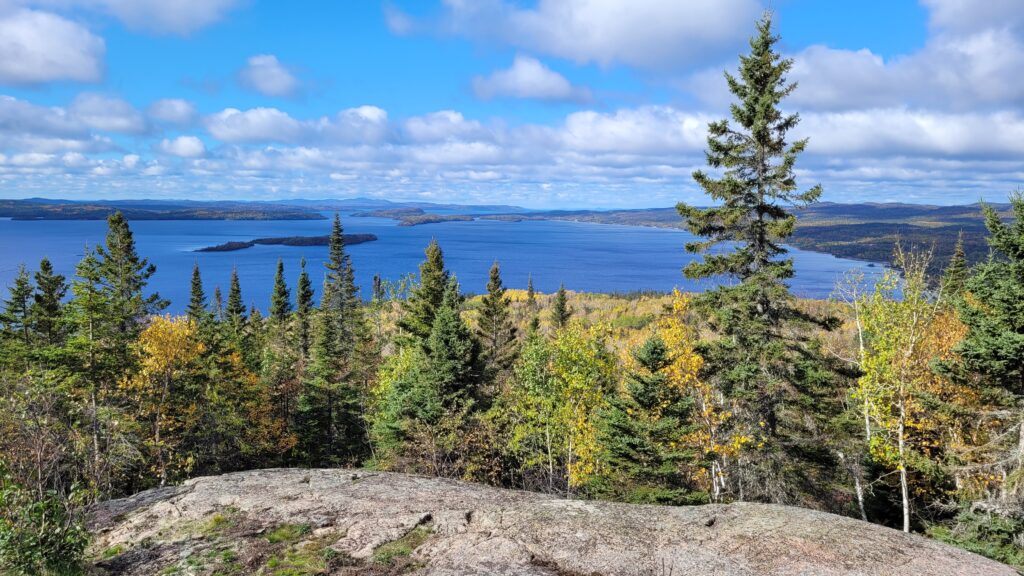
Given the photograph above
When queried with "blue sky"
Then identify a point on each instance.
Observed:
(551, 103)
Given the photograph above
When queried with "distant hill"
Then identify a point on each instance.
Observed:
(858, 231)
(865, 231)
(42, 209)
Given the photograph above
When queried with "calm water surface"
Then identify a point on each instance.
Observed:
(586, 257)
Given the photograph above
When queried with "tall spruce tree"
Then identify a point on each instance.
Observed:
(17, 307)
(197, 308)
(303, 307)
(495, 328)
(280, 298)
(426, 298)
(235, 310)
(560, 309)
(452, 352)
(125, 276)
(954, 277)
(330, 425)
(340, 290)
(761, 355)
(96, 359)
(48, 305)
(531, 295)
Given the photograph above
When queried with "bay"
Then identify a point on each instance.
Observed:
(585, 257)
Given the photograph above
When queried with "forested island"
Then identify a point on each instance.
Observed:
(414, 216)
(898, 402)
(324, 240)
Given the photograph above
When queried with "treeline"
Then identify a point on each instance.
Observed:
(906, 412)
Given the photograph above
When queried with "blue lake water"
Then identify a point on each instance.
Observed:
(586, 257)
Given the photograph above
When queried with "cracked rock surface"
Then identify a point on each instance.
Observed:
(291, 521)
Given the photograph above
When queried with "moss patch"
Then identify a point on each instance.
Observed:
(403, 547)
(287, 533)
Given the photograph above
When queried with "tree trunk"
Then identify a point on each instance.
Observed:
(904, 491)
(858, 486)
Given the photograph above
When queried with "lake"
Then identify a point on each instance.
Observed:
(586, 257)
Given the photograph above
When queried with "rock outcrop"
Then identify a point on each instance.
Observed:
(358, 522)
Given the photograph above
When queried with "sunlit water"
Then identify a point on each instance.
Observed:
(586, 257)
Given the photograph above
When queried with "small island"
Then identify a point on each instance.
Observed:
(232, 246)
(433, 219)
(393, 213)
(413, 216)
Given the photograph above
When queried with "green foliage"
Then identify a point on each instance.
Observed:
(426, 298)
(954, 278)
(993, 308)
(762, 335)
(303, 307)
(197, 307)
(997, 537)
(48, 305)
(403, 547)
(39, 533)
(280, 298)
(16, 313)
(287, 533)
(125, 275)
(644, 432)
(235, 309)
(560, 309)
(495, 328)
(452, 352)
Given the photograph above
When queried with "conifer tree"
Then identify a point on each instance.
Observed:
(197, 310)
(125, 275)
(303, 307)
(421, 306)
(452, 351)
(644, 431)
(761, 353)
(531, 295)
(560, 309)
(48, 305)
(990, 358)
(236, 308)
(330, 415)
(496, 331)
(218, 304)
(340, 291)
(280, 298)
(954, 278)
(93, 351)
(16, 313)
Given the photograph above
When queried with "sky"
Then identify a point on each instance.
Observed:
(543, 104)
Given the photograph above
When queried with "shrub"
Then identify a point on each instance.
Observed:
(997, 537)
(39, 535)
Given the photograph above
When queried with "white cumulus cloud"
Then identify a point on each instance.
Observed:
(652, 34)
(160, 16)
(183, 147)
(528, 78)
(265, 74)
(107, 114)
(173, 111)
(38, 47)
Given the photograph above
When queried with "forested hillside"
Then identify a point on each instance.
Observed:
(899, 402)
